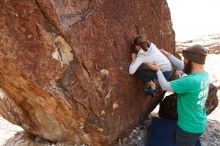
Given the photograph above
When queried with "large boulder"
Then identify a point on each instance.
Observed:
(64, 66)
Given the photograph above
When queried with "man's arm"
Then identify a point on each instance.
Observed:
(178, 63)
(175, 61)
(136, 62)
(165, 85)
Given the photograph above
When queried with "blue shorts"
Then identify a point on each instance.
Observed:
(147, 75)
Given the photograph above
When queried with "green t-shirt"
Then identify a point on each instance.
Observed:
(192, 92)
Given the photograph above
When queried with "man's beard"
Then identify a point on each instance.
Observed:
(188, 67)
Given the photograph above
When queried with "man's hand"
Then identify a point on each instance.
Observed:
(133, 56)
(165, 52)
(153, 67)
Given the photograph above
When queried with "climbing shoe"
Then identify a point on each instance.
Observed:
(150, 91)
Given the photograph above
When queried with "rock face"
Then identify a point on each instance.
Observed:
(64, 66)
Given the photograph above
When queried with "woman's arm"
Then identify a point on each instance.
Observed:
(136, 62)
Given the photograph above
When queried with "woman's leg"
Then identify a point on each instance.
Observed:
(145, 74)
(167, 74)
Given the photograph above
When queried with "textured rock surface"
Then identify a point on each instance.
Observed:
(64, 66)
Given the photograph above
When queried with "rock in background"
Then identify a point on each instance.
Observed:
(211, 42)
(64, 66)
(212, 100)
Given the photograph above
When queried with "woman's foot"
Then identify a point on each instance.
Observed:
(150, 91)
(151, 85)
(150, 88)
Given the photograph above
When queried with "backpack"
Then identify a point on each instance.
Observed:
(168, 107)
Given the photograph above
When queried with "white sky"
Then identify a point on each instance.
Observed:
(192, 18)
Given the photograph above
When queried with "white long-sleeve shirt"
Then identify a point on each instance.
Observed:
(152, 56)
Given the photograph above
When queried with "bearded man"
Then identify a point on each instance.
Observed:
(192, 92)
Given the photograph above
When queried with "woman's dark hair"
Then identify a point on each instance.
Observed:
(142, 42)
(133, 48)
